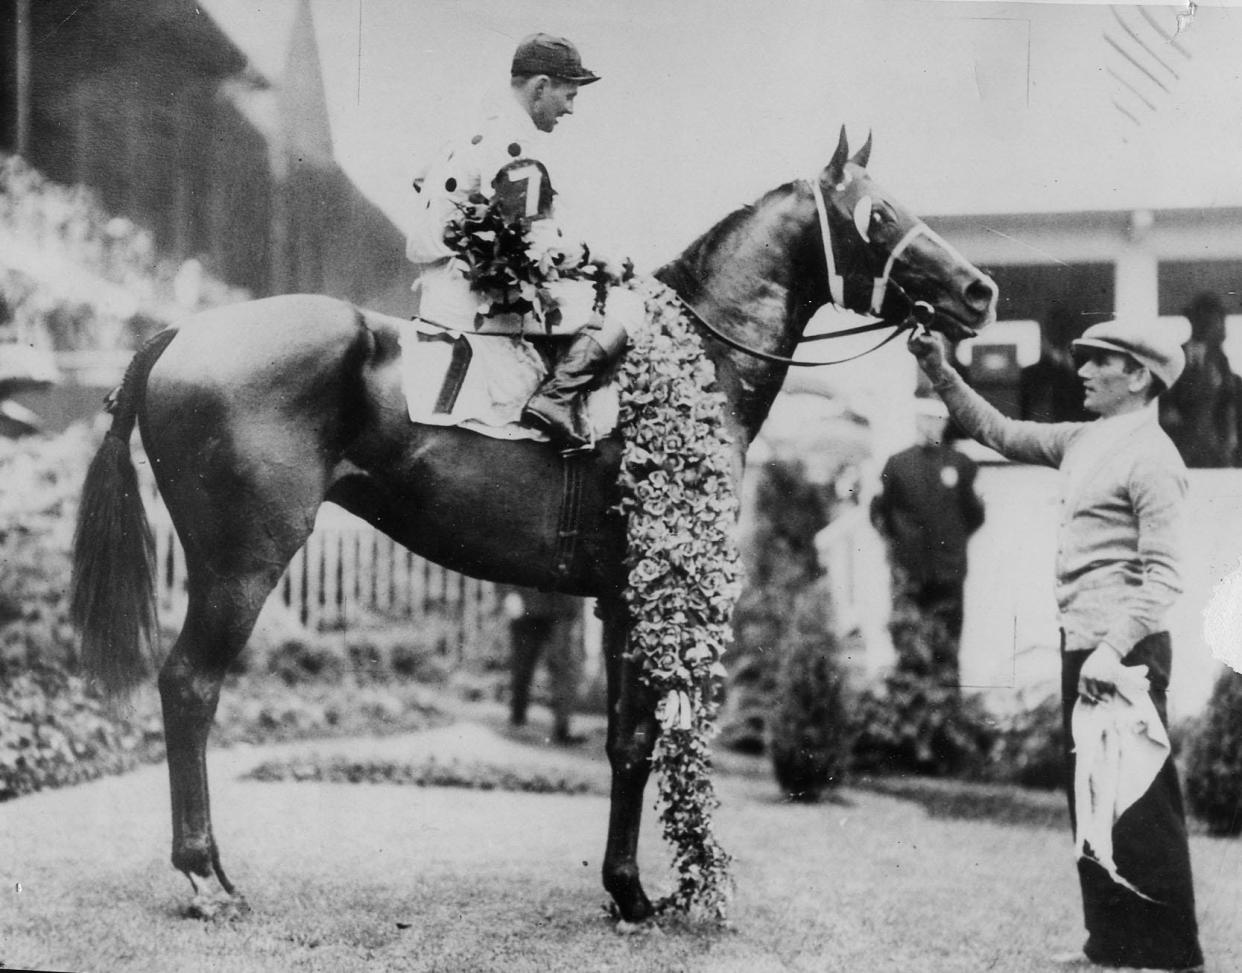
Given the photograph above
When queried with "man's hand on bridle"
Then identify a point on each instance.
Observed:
(931, 350)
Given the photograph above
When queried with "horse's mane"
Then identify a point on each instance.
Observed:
(685, 274)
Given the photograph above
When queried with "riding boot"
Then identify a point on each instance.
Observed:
(556, 408)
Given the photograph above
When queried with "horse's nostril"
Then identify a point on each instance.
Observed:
(980, 293)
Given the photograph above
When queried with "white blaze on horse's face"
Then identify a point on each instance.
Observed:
(862, 218)
(902, 255)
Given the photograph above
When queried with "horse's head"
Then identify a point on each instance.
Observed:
(885, 259)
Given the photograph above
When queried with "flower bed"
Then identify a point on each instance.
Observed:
(471, 775)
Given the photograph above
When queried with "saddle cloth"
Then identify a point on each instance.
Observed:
(481, 382)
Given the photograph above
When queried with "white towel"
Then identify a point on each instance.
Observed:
(1120, 746)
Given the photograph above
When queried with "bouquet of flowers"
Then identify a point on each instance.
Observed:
(510, 261)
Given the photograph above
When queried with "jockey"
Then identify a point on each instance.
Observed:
(500, 159)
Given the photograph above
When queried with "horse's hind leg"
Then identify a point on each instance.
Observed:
(231, 568)
(219, 619)
(632, 732)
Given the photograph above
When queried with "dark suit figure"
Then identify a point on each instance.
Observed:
(1202, 413)
(545, 624)
(1050, 390)
(927, 509)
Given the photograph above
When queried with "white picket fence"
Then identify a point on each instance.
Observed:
(349, 573)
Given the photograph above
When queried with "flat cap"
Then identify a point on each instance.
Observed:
(1156, 344)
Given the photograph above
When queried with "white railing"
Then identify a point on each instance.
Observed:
(347, 573)
(1010, 637)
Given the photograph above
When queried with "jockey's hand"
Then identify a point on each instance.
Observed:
(931, 350)
(1097, 681)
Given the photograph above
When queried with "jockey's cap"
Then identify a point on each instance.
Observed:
(554, 56)
(1156, 344)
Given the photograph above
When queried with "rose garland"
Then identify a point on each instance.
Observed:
(680, 506)
(685, 576)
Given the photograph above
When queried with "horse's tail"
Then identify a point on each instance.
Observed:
(112, 592)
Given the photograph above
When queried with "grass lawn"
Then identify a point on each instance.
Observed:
(346, 877)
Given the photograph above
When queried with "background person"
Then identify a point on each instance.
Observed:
(927, 509)
(548, 625)
(500, 158)
(1050, 390)
(1117, 574)
(1201, 413)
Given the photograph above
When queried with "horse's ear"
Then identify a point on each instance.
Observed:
(841, 156)
(864, 154)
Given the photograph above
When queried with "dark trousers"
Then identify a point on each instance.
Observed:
(1150, 848)
(552, 638)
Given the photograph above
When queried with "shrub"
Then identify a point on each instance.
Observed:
(811, 732)
(782, 563)
(55, 731)
(1214, 761)
(372, 650)
(40, 480)
(915, 722)
(913, 725)
(1030, 748)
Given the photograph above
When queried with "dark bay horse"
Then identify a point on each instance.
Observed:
(255, 414)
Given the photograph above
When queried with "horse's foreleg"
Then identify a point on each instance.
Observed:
(218, 623)
(632, 731)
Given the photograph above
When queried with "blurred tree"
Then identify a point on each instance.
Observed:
(1214, 763)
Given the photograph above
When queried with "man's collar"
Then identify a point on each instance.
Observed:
(512, 109)
(1126, 421)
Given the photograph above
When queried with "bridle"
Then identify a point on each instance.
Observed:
(920, 314)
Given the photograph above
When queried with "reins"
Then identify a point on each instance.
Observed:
(920, 316)
(920, 313)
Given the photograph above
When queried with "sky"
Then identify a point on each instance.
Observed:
(975, 107)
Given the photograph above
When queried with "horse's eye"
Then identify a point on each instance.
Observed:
(863, 217)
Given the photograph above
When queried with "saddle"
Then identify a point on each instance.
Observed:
(479, 381)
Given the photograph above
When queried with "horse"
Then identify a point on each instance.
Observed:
(253, 415)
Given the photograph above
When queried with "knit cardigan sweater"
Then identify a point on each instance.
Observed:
(1123, 487)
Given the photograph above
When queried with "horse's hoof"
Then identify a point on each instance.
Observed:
(217, 907)
(632, 903)
(640, 910)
